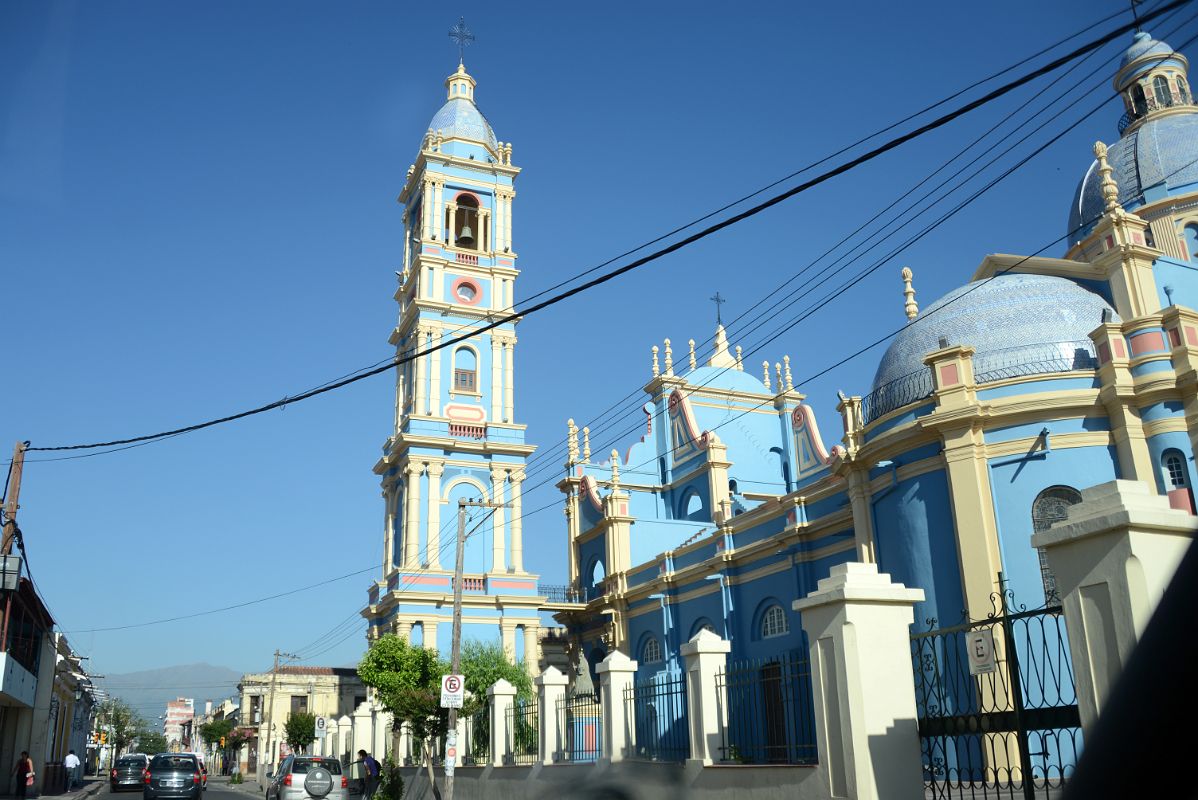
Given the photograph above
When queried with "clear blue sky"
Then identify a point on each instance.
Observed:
(197, 215)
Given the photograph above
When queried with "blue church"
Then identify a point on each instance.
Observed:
(988, 414)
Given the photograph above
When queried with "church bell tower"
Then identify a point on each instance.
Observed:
(455, 433)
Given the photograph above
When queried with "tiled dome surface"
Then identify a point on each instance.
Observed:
(461, 118)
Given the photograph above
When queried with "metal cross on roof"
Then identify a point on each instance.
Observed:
(719, 301)
(462, 35)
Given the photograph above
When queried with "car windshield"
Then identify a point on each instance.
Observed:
(173, 764)
(304, 765)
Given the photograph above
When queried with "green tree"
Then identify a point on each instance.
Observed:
(300, 730)
(483, 663)
(151, 742)
(237, 739)
(121, 722)
(407, 681)
(213, 732)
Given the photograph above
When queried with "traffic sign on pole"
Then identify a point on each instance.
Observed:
(453, 691)
(322, 726)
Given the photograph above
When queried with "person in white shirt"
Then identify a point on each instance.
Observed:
(71, 763)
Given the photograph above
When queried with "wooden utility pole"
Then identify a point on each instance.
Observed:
(14, 493)
(270, 714)
(451, 733)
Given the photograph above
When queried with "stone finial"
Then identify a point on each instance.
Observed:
(778, 373)
(691, 342)
(720, 357)
(615, 470)
(586, 444)
(656, 368)
(669, 358)
(1110, 189)
(786, 370)
(740, 364)
(909, 306)
(765, 376)
(571, 441)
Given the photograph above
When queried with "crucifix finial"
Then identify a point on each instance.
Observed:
(719, 301)
(463, 37)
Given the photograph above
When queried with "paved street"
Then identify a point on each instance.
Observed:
(218, 789)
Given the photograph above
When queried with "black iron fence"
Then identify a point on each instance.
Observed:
(657, 709)
(476, 750)
(559, 594)
(522, 733)
(580, 729)
(769, 717)
(997, 705)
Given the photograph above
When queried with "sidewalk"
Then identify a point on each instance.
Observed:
(91, 786)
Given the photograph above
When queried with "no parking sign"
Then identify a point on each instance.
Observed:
(453, 691)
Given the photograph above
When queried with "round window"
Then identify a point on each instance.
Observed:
(467, 292)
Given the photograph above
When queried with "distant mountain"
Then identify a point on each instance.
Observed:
(148, 691)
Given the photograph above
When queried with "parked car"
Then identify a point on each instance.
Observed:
(173, 775)
(128, 772)
(308, 778)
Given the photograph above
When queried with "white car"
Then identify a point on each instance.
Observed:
(308, 778)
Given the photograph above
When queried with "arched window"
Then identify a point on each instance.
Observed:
(1191, 236)
(1049, 507)
(1139, 103)
(1177, 480)
(465, 370)
(1183, 91)
(732, 486)
(1160, 88)
(701, 624)
(651, 652)
(465, 224)
(773, 622)
(691, 505)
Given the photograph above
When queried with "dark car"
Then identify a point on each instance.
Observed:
(128, 772)
(173, 775)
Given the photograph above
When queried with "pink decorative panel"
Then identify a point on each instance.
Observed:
(1180, 498)
(1191, 336)
(1104, 352)
(1174, 337)
(1120, 350)
(949, 375)
(1151, 342)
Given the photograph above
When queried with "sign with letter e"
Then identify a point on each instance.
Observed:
(980, 646)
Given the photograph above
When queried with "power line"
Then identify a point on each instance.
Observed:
(654, 256)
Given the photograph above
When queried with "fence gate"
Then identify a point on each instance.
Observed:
(997, 704)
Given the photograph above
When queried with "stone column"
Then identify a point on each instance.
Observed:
(501, 696)
(405, 744)
(863, 514)
(411, 536)
(551, 688)
(434, 393)
(429, 630)
(404, 631)
(1112, 559)
(418, 370)
(517, 565)
(433, 547)
(532, 655)
(498, 545)
(382, 732)
(362, 727)
(508, 637)
(450, 235)
(616, 673)
(496, 375)
(388, 530)
(509, 409)
(857, 622)
(507, 220)
(705, 655)
(427, 211)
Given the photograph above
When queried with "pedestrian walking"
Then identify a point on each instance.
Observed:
(373, 771)
(71, 764)
(24, 772)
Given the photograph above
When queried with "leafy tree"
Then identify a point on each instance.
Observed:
(407, 681)
(151, 742)
(300, 730)
(483, 663)
(238, 738)
(213, 732)
(123, 724)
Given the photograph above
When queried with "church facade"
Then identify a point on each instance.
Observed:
(988, 413)
(456, 436)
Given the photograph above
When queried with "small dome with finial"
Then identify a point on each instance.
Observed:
(459, 118)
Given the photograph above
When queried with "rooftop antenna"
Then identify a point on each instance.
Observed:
(463, 37)
(719, 301)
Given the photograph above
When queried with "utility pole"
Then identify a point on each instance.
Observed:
(451, 734)
(270, 713)
(13, 491)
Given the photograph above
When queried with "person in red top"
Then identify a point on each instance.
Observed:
(24, 772)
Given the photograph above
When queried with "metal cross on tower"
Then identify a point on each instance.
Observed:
(462, 35)
(719, 301)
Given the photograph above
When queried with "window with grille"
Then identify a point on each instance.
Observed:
(1050, 507)
(1160, 87)
(773, 622)
(1175, 467)
(465, 370)
(651, 653)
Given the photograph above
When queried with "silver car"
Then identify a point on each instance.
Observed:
(308, 778)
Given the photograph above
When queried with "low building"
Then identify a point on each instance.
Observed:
(268, 699)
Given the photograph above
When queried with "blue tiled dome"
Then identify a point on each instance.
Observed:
(460, 117)
(1161, 151)
(1143, 45)
(1012, 319)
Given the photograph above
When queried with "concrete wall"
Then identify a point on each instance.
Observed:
(636, 780)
